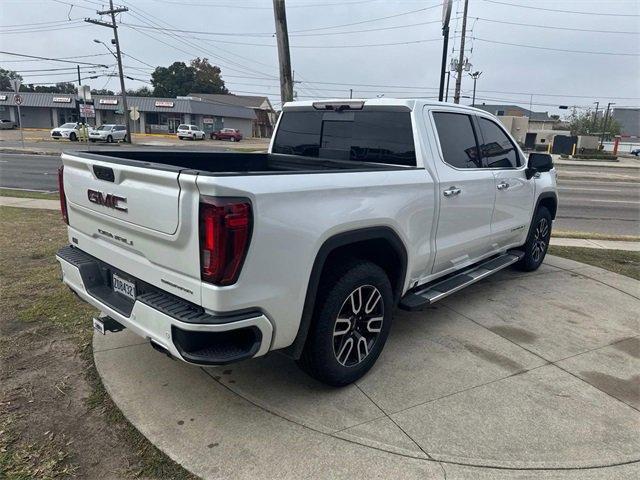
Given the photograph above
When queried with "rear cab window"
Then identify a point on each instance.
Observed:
(497, 149)
(458, 140)
(369, 135)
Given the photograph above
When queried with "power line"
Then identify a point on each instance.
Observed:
(36, 30)
(51, 59)
(60, 58)
(595, 14)
(40, 23)
(251, 7)
(564, 50)
(556, 28)
(368, 21)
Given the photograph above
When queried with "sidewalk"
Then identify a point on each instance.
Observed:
(555, 241)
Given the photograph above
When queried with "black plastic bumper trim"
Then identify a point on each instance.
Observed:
(96, 277)
(217, 348)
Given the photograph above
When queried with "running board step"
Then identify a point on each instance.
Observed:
(427, 294)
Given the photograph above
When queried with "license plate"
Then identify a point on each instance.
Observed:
(125, 287)
(98, 325)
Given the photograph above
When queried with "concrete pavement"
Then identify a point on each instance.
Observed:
(524, 375)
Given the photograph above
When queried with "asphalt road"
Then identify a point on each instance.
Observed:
(597, 200)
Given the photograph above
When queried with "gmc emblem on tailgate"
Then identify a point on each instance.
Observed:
(108, 200)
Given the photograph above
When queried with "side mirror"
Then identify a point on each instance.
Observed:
(538, 163)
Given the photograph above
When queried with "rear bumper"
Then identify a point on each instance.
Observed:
(181, 328)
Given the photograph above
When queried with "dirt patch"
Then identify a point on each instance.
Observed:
(630, 347)
(516, 334)
(56, 421)
(625, 389)
(495, 358)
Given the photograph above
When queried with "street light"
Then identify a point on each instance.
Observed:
(105, 46)
(475, 76)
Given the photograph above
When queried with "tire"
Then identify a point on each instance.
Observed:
(341, 359)
(109, 139)
(233, 139)
(537, 243)
(73, 137)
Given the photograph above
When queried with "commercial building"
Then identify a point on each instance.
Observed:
(266, 116)
(157, 115)
(629, 120)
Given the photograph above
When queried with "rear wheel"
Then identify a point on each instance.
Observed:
(537, 243)
(233, 139)
(351, 323)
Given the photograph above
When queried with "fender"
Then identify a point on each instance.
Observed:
(541, 197)
(331, 244)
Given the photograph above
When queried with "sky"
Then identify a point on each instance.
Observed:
(543, 53)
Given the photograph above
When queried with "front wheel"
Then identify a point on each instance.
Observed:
(350, 325)
(73, 137)
(233, 139)
(537, 243)
(109, 139)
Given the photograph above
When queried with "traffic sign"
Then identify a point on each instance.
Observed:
(15, 84)
(18, 99)
(134, 113)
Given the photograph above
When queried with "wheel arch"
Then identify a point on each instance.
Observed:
(549, 200)
(366, 243)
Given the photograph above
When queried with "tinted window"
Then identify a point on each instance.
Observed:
(183, 127)
(364, 136)
(497, 150)
(457, 140)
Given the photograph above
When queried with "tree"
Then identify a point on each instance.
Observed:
(5, 79)
(101, 91)
(208, 78)
(140, 92)
(177, 79)
(582, 123)
(181, 79)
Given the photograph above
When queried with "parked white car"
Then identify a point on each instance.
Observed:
(108, 133)
(358, 207)
(190, 131)
(7, 124)
(71, 131)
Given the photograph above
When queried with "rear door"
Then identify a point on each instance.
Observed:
(514, 192)
(467, 194)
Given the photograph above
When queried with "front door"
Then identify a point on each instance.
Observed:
(467, 194)
(514, 193)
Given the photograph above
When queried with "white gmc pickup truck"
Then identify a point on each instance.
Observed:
(359, 207)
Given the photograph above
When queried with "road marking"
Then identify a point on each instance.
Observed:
(590, 189)
(589, 200)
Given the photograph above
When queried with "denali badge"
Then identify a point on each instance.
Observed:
(107, 200)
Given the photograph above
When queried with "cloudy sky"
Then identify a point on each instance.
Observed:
(563, 52)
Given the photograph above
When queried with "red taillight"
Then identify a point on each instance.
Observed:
(63, 197)
(225, 228)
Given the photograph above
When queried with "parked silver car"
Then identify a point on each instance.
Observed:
(108, 133)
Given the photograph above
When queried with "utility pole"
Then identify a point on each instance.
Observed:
(112, 12)
(446, 15)
(351, 93)
(456, 95)
(475, 76)
(604, 125)
(284, 56)
(595, 116)
(446, 95)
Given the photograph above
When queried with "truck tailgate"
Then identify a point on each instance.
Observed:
(136, 217)
(144, 197)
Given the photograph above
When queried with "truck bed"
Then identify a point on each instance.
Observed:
(231, 163)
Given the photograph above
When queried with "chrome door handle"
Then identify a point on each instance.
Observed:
(451, 191)
(502, 186)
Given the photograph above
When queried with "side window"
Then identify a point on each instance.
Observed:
(497, 149)
(457, 140)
